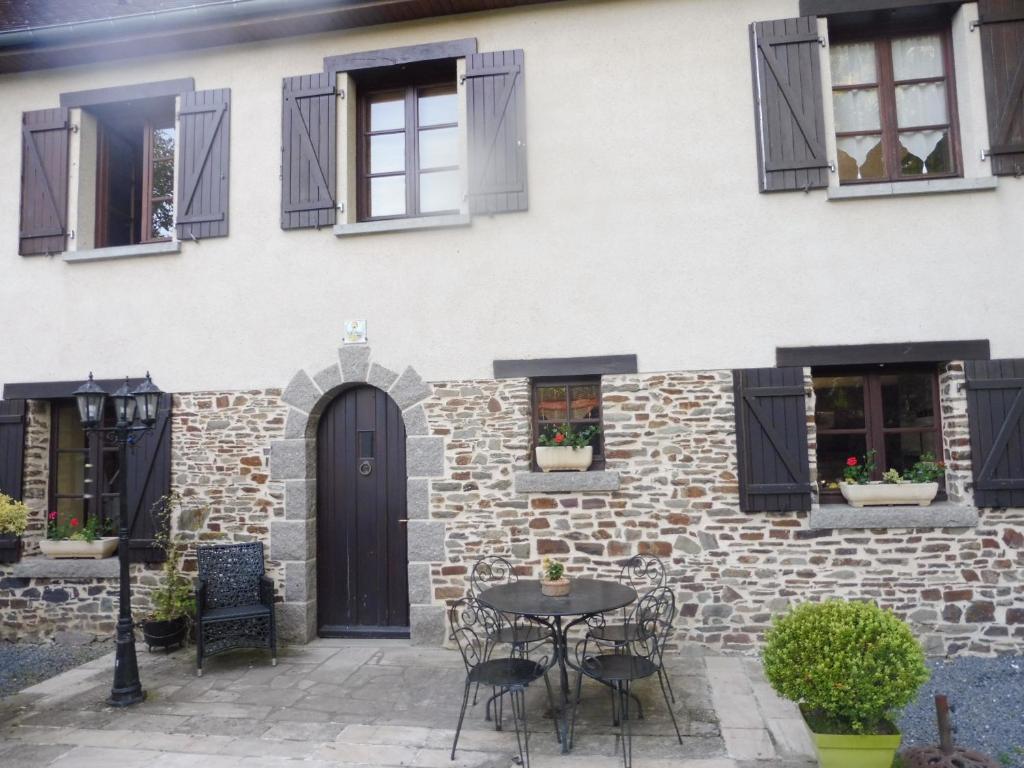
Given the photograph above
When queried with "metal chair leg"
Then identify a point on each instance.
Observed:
(668, 683)
(671, 713)
(462, 714)
(627, 727)
(575, 706)
(554, 709)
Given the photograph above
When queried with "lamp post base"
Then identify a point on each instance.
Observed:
(127, 689)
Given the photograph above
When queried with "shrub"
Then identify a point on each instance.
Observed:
(13, 516)
(849, 665)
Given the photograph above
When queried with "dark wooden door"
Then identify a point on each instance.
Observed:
(362, 581)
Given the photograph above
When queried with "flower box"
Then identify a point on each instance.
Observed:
(889, 494)
(564, 458)
(10, 548)
(97, 549)
(557, 588)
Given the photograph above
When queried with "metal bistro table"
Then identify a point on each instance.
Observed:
(589, 597)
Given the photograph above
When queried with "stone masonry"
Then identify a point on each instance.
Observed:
(669, 488)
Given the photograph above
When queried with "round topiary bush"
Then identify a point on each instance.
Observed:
(849, 665)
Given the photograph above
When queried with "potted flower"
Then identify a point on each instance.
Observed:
(173, 599)
(918, 485)
(564, 448)
(851, 667)
(73, 538)
(13, 520)
(553, 582)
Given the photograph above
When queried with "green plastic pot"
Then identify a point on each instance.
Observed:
(853, 751)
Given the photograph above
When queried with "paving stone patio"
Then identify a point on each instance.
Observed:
(380, 703)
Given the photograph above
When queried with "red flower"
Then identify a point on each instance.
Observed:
(74, 522)
(53, 515)
(559, 438)
(852, 461)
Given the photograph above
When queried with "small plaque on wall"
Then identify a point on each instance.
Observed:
(355, 332)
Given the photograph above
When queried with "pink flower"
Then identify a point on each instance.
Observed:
(53, 515)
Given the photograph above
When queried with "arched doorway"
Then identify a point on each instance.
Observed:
(362, 555)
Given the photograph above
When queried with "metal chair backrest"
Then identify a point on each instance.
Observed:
(488, 571)
(231, 573)
(643, 573)
(472, 623)
(653, 617)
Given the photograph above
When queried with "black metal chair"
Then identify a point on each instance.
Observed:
(234, 601)
(637, 659)
(472, 627)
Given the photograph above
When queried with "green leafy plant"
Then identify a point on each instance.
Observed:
(859, 472)
(13, 516)
(174, 595)
(892, 477)
(553, 569)
(925, 470)
(74, 529)
(564, 436)
(851, 666)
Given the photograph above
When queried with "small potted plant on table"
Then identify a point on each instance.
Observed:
(13, 520)
(72, 538)
(173, 600)
(553, 582)
(917, 486)
(850, 666)
(564, 448)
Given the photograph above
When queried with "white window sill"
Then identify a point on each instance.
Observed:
(397, 225)
(909, 188)
(939, 514)
(123, 251)
(565, 482)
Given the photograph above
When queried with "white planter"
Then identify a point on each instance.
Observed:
(97, 550)
(555, 458)
(889, 494)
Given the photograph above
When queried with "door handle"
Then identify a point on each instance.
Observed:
(403, 520)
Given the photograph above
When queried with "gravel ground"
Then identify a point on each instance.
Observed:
(25, 664)
(987, 695)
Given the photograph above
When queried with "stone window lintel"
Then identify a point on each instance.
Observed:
(566, 482)
(941, 514)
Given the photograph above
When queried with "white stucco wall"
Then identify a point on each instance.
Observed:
(646, 233)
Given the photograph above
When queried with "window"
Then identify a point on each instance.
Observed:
(83, 472)
(892, 412)
(408, 156)
(134, 172)
(895, 108)
(575, 401)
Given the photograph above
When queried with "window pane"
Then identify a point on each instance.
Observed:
(856, 110)
(907, 400)
(904, 449)
(68, 509)
(163, 219)
(439, 147)
(387, 196)
(921, 104)
(387, 113)
(387, 153)
(860, 157)
(163, 143)
(439, 191)
(839, 402)
(70, 474)
(436, 108)
(163, 179)
(551, 405)
(69, 427)
(915, 57)
(584, 401)
(108, 478)
(853, 64)
(833, 451)
(924, 152)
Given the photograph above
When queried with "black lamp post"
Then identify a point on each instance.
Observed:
(135, 413)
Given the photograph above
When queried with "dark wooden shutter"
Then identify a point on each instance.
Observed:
(995, 406)
(205, 124)
(308, 151)
(12, 446)
(44, 181)
(1002, 55)
(149, 479)
(788, 112)
(496, 127)
(771, 439)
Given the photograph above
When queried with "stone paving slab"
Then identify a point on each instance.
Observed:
(382, 703)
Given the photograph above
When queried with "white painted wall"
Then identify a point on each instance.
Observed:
(645, 234)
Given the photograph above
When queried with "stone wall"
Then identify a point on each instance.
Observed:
(36, 477)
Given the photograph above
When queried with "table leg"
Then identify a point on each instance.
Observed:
(563, 675)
